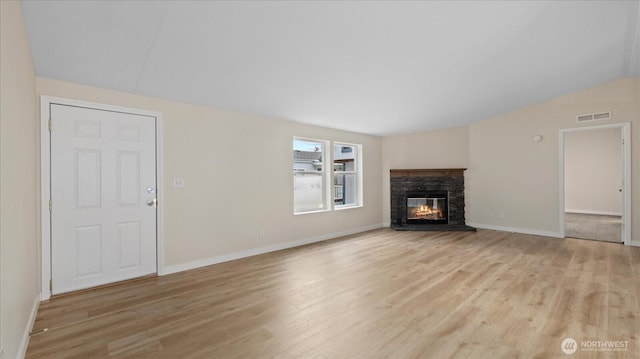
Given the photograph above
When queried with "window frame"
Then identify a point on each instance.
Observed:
(325, 178)
(328, 174)
(357, 172)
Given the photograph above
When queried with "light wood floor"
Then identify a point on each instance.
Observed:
(381, 294)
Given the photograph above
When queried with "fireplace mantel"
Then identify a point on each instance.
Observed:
(435, 172)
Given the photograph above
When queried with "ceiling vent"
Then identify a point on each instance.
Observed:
(600, 116)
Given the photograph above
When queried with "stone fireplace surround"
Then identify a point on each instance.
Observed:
(450, 180)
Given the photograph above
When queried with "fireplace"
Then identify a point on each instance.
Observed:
(427, 208)
(428, 199)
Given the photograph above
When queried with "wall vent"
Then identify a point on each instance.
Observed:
(600, 116)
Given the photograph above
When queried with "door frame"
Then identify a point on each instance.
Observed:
(625, 129)
(45, 183)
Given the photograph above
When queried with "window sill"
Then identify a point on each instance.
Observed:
(308, 212)
(340, 208)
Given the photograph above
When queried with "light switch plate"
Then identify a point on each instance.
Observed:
(178, 182)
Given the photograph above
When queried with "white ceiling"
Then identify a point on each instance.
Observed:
(375, 67)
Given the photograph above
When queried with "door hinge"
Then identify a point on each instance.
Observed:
(50, 125)
(50, 205)
(50, 284)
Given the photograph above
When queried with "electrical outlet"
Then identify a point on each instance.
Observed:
(261, 233)
(178, 182)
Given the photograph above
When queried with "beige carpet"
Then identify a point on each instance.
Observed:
(595, 227)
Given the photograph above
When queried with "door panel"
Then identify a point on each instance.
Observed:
(88, 170)
(88, 251)
(130, 244)
(128, 178)
(103, 174)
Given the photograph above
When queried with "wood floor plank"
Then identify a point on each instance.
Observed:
(379, 294)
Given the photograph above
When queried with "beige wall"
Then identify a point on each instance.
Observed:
(237, 171)
(593, 171)
(448, 148)
(19, 278)
(513, 182)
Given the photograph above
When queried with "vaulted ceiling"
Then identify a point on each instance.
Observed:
(379, 67)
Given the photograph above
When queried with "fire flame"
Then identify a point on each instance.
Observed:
(426, 211)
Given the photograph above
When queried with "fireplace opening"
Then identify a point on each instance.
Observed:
(427, 208)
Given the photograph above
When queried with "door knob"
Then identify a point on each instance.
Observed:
(152, 203)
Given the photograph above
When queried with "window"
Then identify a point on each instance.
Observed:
(314, 187)
(309, 175)
(346, 175)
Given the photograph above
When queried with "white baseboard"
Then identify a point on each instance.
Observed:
(601, 213)
(635, 243)
(24, 343)
(517, 230)
(261, 250)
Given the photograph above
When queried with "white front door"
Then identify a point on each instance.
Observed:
(103, 192)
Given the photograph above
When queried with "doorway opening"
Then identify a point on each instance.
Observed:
(594, 182)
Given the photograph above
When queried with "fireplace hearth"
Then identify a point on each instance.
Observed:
(428, 200)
